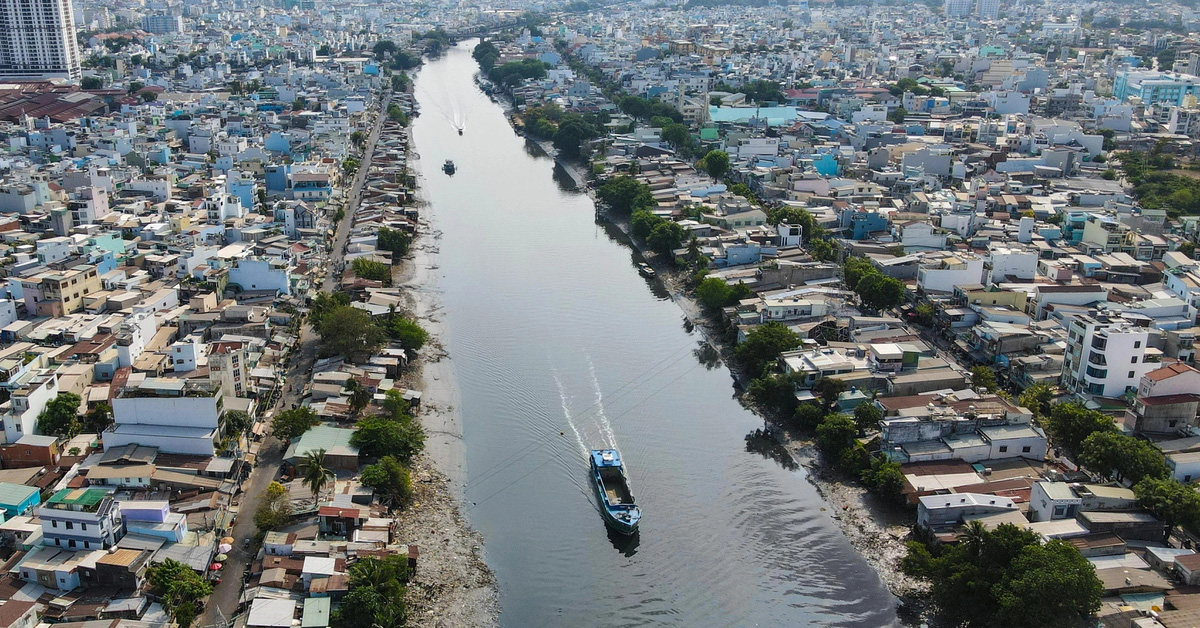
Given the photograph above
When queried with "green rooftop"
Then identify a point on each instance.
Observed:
(78, 498)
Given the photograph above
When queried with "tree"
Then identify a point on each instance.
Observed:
(713, 293)
(822, 250)
(349, 166)
(136, 87)
(880, 292)
(378, 436)
(393, 240)
(884, 478)
(98, 418)
(325, 51)
(1111, 454)
(665, 237)
(324, 303)
(776, 392)
(867, 416)
(275, 510)
(408, 333)
(625, 194)
(360, 396)
(764, 344)
(237, 422)
(180, 588)
(925, 313)
(854, 269)
(400, 82)
(390, 480)
(315, 476)
(830, 390)
(836, 433)
(1006, 577)
(358, 138)
(61, 416)
(1070, 424)
(1188, 249)
(1037, 398)
(91, 82)
(149, 96)
(808, 416)
(350, 332)
(382, 48)
(571, 134)
(372, 270)
(291, 424)
(1175, 503)
(898, 115)
(716, 164)
(676, 134)
(984, 377)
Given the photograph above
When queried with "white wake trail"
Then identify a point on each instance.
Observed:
(605, 426)
(566, 407)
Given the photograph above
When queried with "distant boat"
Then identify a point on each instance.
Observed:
(612, 490)
(460, 131)
(448, 167)
(645, 269)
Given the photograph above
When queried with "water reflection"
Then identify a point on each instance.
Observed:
(564, 180)
(763, 443)
(707, 355)
(626, 545)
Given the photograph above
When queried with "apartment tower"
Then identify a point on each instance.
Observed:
(37, 40)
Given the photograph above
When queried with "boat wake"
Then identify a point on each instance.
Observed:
(566, 407)
(605, 426)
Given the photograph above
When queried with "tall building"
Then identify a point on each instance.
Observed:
(162, 24)
(958, 8)
(988, 9)
(1106, 356)
(37, 40)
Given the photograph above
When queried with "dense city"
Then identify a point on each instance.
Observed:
(320, 313)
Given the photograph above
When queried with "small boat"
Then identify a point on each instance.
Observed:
(460, 131)
(645, 269)
(612, 490)
(448, 167)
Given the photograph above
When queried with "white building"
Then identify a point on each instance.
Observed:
(81, 519)
(177, 416)
(1049, 501)
(1106, 356)
(37, 40)
(945, 510)
(950, 271)
(27, 402)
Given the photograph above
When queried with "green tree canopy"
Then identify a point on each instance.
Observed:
(350, 332)
(395, 241)
(291, 424)
(390, 480)
(61, 416)
(1175, 503)
(984, 377)
(1113, 454)
(715, 163)
(275, 510)
(314, 474)
(763, 345)
(1006, 577)
(881, 292)
(372, 270)
(180, 589)
(323, 303)
(408, 333)
(836, 433)
(625, 194)
(867, 416)
(1070, 424)
(380, 436)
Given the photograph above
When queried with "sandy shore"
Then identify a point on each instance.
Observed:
(453, 586)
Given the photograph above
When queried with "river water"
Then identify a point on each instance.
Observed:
(560, 346)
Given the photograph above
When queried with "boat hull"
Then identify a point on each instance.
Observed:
(616, 501)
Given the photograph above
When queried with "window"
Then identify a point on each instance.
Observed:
(71, 543)
(1131, 374)
(1133, 360)
(87, 545)
(1137, 344)
(1025, 449)
(1171, 423)
(1003, 448)
(83, 526)
(54, 524)
(70, 525)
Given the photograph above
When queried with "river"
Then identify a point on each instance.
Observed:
(559, 346)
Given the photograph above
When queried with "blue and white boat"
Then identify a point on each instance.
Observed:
(612, 489)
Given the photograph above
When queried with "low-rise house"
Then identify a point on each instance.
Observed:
(81, 519)
(942, 511)
(17, 499)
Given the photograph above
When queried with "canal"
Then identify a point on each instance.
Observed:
(559, 346)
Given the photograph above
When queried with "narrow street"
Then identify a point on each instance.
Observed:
(222, 605)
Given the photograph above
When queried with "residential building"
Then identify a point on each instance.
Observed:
(1106, 356)
(37, 41)
(81, 519)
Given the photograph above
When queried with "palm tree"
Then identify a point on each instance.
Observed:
(316, 476)
(973, 537)
(359, 396)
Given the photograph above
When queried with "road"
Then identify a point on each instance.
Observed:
(336, 251)
(223, 603)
